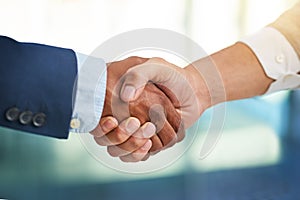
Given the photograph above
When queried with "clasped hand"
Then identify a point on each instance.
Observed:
(148, 105)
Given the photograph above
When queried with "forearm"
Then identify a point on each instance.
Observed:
(267, 61)
(230, 74)
(241, 72)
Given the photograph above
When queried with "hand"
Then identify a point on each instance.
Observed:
(128, 141)
(111, 130)
(182, 86)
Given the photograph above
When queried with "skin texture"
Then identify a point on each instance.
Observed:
(131, 144)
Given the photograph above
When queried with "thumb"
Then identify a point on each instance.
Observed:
(135, 79)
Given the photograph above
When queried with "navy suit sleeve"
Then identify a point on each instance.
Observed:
(36, 87)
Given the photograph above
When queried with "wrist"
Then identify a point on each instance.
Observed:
(199, 86)
(207, 82)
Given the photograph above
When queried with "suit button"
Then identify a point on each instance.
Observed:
(25, 117)
(39, 119)
(12, 114)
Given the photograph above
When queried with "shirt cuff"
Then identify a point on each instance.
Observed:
(89, 93)
(277, 57)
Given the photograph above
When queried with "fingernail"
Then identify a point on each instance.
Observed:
(128, 93)
(147, 145)
(109, 124)
(149, 130)
(132, 125)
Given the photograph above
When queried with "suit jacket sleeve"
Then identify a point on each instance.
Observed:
(36, 87)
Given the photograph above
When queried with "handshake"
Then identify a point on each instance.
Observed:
(148, 105)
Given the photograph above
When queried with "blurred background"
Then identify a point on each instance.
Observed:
(255, 130)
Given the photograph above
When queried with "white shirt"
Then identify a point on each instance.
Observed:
(89, 95)
(278, 58)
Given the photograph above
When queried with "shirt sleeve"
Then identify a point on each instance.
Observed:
(89, 94)
(277, 57)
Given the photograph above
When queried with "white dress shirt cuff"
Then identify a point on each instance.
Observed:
(89, 93)
(277, 57)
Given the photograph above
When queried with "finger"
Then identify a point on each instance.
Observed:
(167, 135)
(139, 154)
(157, 144)
(160, 114)
(146, 131)
(119, 134)
(105, 125)
(174, 118)
(176, 122)
(164, 139)
(136, 141)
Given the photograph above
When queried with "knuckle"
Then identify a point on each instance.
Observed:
(132, 57)
(137, 59)
(132, 73)
(158, 59)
